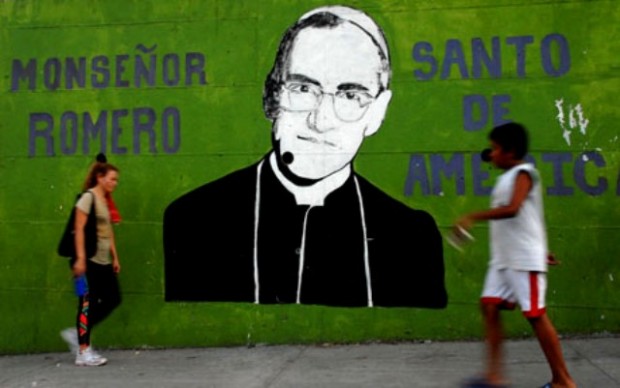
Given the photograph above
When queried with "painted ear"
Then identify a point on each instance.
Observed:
(376, 112)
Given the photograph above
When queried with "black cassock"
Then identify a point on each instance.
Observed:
(216, 249)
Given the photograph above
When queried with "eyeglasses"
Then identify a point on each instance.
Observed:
(349, 105)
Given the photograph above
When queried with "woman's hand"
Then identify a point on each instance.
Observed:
(79, 267)
(116, 265)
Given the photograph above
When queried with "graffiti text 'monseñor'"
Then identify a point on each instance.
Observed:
(144, 69)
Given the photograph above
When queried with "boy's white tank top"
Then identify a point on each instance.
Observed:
(520, 242)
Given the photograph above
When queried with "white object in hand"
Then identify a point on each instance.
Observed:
(458, 237)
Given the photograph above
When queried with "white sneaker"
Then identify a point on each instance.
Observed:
(94, 352)
(88, 357)
(70, 336)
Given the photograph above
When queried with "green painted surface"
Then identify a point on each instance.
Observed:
(222, 129)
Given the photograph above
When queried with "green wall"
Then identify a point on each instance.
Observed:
(550, 51)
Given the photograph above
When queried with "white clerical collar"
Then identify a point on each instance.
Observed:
(315, 194)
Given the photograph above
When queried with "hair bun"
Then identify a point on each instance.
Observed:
(101, 158)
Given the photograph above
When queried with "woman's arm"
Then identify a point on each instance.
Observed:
(116, 265)
(79, 267)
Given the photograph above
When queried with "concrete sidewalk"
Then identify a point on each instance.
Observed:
(593, 362)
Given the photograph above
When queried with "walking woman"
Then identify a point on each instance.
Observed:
(96, 277)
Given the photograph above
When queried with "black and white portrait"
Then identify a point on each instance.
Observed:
(301, 225)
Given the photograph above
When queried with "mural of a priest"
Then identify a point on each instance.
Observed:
(300, 225)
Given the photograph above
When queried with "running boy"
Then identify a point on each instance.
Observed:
(518, 266)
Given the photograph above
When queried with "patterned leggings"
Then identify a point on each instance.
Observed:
(102, 297)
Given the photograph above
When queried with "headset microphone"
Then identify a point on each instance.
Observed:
(485, 155)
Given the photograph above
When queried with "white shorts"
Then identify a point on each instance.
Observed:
(507, 287)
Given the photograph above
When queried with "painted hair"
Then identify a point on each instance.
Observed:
(323, 17)
(99, 168)
(512, 137)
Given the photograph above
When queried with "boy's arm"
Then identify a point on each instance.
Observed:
(523, 185)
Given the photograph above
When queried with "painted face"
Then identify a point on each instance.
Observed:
(108, 181)
(330, 100)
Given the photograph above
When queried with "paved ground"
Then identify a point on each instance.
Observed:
(593, 362)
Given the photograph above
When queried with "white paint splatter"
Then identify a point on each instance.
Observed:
(559, 104)
(560, 116)
(571, 117)
(611, 277)
(585, 158)
(576, 119)
(566, 136)
(583, 121)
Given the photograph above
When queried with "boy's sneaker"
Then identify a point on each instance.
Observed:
(88, 357)
(70, 336)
